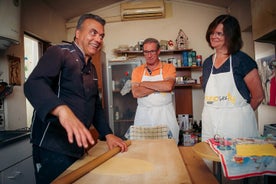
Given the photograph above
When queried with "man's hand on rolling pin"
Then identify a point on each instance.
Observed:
(73, 126)
(113, 141)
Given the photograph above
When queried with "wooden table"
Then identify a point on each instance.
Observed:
(197, 168)
(204, 150)
(161, 157)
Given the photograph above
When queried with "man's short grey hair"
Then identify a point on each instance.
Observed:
(90, 16)
(152, 40)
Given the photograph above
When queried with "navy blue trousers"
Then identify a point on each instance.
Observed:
(48, 164)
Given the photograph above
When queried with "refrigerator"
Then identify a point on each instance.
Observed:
(119, 104)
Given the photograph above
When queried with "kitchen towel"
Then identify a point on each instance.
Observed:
(238, 166)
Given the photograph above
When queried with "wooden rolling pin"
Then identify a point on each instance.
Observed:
(81, 171)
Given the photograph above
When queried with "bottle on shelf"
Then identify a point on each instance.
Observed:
(125, 78)
(199, 131)
(200, 126)
(185, 59)
(180, 140)
(190, 122)
(190, 59)
(198, 60)
(116, 113)
(195, 127)
(193, 53)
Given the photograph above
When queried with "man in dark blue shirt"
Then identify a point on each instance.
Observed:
(63, 89)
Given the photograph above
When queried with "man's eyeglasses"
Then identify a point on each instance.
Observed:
(152, 52)
(217, 34)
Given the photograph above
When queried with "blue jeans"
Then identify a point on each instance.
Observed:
(48, 164)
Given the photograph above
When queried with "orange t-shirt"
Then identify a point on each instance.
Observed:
(168, 71)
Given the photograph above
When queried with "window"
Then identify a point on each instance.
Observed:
(33, 50)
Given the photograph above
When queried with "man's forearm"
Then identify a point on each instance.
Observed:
(140, 91)
(161, 86)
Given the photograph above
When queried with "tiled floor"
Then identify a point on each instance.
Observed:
(252, 180)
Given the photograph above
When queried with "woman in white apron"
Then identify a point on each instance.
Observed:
(157, 109)
(234, 91)
(226, 112)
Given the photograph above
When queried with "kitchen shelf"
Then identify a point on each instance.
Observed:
(194, 86)
(127, 52)
(186, 71)
(183, 91)
(195, 68)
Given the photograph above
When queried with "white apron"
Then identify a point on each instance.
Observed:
(225, 111)
(157, 109)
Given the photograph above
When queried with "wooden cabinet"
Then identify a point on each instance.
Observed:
(184, 91)
(263, 20)
(97, 60)
(21, 172)
(17, 163)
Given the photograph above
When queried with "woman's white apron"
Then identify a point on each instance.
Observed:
(225, 111)
(157, 109)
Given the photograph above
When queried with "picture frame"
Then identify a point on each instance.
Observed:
(266, 72)
(14, 70)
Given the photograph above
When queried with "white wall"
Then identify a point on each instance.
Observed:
(192, 18)
(41, 21)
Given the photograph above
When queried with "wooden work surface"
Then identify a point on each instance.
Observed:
(204, 151)
(161, 159)
(197, 168)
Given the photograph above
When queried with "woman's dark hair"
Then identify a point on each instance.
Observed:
(90, 16)
(152, 40)
(231, 31)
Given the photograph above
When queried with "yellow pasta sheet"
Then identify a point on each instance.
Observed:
(245, 150)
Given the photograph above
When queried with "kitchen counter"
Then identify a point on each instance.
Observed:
(146, 161)
(8, 137)
(16, 157)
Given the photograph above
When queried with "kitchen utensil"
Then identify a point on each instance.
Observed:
(81, 171)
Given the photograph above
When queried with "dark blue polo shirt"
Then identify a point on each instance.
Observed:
(242, 64)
